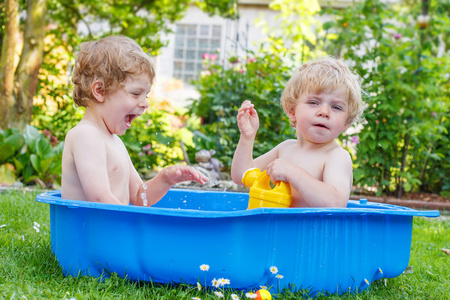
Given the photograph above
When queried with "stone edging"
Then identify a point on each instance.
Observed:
(408, 203)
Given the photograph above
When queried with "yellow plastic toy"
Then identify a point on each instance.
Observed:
(261, 194)
(263, 295)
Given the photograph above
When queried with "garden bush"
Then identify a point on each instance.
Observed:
(404, 143)
(256, 77)
(29, 157)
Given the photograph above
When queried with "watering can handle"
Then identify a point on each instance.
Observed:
(283, 187)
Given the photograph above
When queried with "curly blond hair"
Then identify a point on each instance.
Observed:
(110, 60)
(324, 75)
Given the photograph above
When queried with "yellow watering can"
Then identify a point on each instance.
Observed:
(261, 194)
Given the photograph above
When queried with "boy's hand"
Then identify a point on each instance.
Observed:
(179, 173)
(278, 170)
(247, 119)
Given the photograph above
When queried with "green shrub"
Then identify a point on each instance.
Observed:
(404, 144)
(259, 78)
(30, 158)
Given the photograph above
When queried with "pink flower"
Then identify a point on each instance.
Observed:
(376, 121)
(355, 139)
(213, 57)
(205, 56)
(145, 148)
(397, 36)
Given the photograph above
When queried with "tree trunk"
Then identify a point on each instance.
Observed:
(7, 62)
(30, 63)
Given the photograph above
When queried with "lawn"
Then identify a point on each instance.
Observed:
(28, 269)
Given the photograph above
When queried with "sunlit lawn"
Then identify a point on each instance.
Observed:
(28, 269)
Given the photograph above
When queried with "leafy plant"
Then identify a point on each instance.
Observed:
(29, 157)
(257, 77)
(404, 142)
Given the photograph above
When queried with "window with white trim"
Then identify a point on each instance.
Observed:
(191, 42)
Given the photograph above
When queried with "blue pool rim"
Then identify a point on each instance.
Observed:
(354, 208)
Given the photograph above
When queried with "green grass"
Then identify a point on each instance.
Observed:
(29, 270)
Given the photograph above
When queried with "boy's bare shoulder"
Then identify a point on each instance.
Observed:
(338, 153)
(84, 132)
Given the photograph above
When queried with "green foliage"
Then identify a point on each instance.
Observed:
(259, 78)
(154, 140)
(29, 157)
(404, 143)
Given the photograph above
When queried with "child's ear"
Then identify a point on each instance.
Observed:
(346, 126)
(291, 115)
(98, 91)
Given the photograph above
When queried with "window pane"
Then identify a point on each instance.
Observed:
(191, 43)
(189, 66)
(181, 30)
(178, 66)
(204, 30)
(190, 55)
(200, 54)
(191, 29)
(215, 44)
(217, 30)
(203, 44)
(177, 75)
(179, 41)
(179, 53)
(188, 77)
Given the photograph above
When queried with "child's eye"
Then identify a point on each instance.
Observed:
(337, 107)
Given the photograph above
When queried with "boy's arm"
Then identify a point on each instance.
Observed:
(333, 191)
(248, 123)
(89, 155)
(151, 191)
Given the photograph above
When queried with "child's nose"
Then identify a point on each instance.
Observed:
(143, 103)
(323, 111)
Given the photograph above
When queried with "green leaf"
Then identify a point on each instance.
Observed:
(44, 148)
(35, 162)
(6, 152)
(7, 174)
(31, 135)
(17, 141)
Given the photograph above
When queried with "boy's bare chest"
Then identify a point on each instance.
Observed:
(313, 163)
(117, 164)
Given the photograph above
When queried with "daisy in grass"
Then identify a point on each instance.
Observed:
(234, 297)
(263, 287)
(204, 267)
(36, 226)
(273, 270)
(196, 298)
(251, 295)
(218, 294)
(199, 286)
(223, 281)
(279, 276)
(215, 283)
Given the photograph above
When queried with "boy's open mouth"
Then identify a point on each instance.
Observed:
(129, 119)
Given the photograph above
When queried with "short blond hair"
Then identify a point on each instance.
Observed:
(110, 60)
(324, 75)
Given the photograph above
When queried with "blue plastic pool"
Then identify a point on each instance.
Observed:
(329, 249)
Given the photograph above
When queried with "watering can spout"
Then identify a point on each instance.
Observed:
(262, 194)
